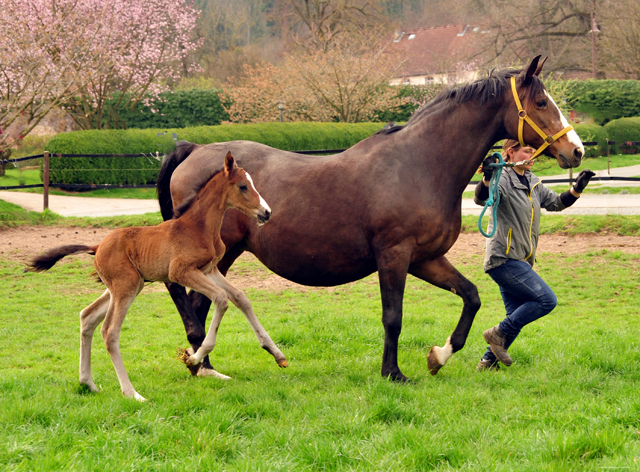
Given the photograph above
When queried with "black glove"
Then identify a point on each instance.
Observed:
(486, 170)
(582, 180)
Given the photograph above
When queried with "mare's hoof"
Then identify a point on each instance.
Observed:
(283, 363)
(204, 372)
(139, 397)
(398, 377)
(433, 363)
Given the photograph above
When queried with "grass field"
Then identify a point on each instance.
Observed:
(570, 401)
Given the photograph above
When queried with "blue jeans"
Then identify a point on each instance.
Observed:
(526, 298)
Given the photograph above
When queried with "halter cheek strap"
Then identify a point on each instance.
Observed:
(523, 116)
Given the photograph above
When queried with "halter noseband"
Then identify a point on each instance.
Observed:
(523, 116)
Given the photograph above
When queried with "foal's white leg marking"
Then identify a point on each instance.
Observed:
(239, 299)
(262, 201)
(116, 313)
(443, 353)
(90, 318)
(571, 135)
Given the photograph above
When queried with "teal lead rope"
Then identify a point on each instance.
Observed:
(494, 195)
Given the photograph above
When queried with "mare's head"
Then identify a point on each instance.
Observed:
(555, 136)
(242, 193)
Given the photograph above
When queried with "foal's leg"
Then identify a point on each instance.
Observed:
(199, 282)
(123, 293)
(90, 318)
(392, 274)
(239, 299)
(193, 310)
(441, 273)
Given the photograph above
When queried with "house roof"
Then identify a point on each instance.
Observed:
(436, 50)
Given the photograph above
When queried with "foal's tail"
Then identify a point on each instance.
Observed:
(169, 165)
(47, 260)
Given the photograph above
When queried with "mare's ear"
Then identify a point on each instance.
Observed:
(539, 68)
(530, 70)
(229, 163)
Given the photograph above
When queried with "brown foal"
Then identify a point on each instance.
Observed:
(185, 250)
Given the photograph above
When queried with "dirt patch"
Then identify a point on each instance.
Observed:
(22, 243)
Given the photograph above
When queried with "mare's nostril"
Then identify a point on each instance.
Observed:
(577, 152)
(267, 215)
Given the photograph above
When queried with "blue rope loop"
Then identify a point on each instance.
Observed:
(494, 195)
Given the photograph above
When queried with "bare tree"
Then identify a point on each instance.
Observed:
(619, 45)
(347, 82)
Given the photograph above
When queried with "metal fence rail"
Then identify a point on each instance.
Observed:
(46, 169)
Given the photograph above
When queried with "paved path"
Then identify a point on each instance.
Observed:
(82, 206)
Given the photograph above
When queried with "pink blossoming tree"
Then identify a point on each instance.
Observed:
(56, 52)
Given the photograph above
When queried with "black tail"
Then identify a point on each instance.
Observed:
(47, 260)
(169, 165)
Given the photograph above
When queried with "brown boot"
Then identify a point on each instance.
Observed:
(486, 364)
(496, 341)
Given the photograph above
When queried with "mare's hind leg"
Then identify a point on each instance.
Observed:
(193, 309)
(90, 318)
(441, 273)
(123, 292)
(199, 282)
(239, 299)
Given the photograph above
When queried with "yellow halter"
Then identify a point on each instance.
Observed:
(523, 116)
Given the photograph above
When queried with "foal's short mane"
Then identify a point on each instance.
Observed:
(487, 90)
(181, 210)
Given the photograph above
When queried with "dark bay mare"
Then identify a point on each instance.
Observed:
(391, 203)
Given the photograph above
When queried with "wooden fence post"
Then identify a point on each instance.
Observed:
(45, 179)
(608, 159)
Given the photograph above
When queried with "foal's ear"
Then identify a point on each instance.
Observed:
(229, 163)
(532, 68)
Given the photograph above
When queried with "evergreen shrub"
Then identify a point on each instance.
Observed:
(622, 130)
(605, 100)
(152, 144)
(593, 132)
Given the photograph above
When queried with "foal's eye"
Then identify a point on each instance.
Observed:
(542, 103)
(242, 187)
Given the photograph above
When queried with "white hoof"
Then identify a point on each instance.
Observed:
(212, 373)
(139, 397)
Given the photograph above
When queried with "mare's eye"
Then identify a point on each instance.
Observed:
(242, 187)
(541, 104)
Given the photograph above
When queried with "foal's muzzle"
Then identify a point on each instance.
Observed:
(263, 216)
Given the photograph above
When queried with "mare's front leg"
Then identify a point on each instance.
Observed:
(239, 299)
(392, 274)
(441, 273)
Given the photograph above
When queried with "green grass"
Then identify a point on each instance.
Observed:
(548, 166)
(570, 401)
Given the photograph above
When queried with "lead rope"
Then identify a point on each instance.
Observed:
(494, 195)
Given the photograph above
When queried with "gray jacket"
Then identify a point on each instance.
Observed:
(518, 217)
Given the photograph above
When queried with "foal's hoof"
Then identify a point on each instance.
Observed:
(283, 363)
(204, 372)
(433, 363)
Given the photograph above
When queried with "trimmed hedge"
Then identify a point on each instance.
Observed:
(605, 100)
(592, 132)
(624, 129)
(143, 170)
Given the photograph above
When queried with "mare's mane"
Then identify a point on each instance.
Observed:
(181, 210)
(487, 90)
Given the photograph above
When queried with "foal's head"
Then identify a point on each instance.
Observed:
(242, 193)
